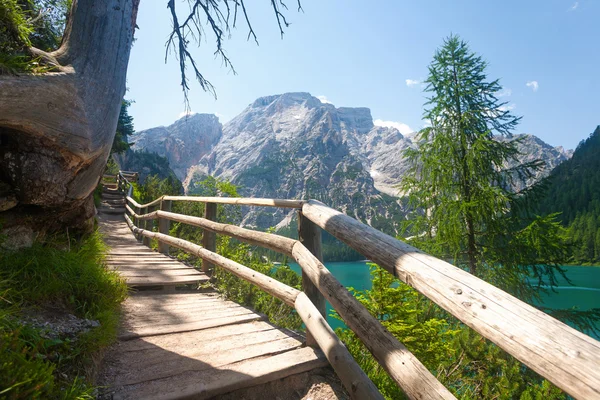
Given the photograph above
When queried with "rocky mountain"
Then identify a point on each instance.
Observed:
(294, 146)
(183, 143)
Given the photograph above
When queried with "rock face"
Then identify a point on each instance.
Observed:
(57, 127)
(293, 146)
(533, 148)
(183, 143)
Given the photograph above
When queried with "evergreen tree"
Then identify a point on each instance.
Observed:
(460, 177)
(124, 129)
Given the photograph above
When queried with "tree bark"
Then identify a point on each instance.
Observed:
(57, 128)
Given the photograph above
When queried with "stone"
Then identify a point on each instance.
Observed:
(17, 237)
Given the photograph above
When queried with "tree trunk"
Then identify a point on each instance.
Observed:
(56, 129)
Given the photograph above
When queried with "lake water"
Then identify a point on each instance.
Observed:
(583, 294)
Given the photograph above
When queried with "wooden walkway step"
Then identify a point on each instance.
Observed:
(188, 344)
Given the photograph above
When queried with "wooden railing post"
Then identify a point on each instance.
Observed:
(164, 225)
(137, 221)
(209, 239)
(146, 224)
(309, 234)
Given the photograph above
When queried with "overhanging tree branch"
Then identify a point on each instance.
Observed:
(216, 15)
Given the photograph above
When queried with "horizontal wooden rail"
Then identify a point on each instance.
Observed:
(133, 202)
(277, 243)
(566, 357)
(410, 374)
(352, 376)
(240, 201)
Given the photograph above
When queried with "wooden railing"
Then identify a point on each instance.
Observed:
(566, 357)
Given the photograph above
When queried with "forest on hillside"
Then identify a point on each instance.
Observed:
(574, 192)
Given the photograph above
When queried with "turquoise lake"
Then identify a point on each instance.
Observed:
(583, 294)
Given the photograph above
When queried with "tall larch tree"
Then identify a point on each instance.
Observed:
(462, 179)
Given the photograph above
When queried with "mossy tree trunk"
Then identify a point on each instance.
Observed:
(57, 128)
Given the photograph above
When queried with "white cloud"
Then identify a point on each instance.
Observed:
(412, 82)
(533, 84)
(324, 99)
(505, 92)
(185, 114)
(403, 128)
(219, 115)
(574, 6)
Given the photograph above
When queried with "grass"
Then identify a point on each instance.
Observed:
(64, 275)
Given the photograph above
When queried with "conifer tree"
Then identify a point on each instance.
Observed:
(462, 177)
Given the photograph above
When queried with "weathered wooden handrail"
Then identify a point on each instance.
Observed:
(563, 355)
(238, 201)
(410, 374)
(556, 351)
(352, 376)
(124, 184)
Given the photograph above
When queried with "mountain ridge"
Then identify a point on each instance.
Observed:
(293, 145)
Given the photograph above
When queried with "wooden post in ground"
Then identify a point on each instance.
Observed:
(164, 225)
(136, 221)
(309, 234)
(147, 225)
(209, 239)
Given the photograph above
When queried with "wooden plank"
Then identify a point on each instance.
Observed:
(175, 298)
(561, 354)
(134, 308)
(205, 336)
(356, 382)
(182, 317)
(158, 273)
(208, 383)
(147, 261)
(164, 364)
(209, 239)
(166, 280)
(193, 326)
(195, 309)
(309, 235)
(147, 267)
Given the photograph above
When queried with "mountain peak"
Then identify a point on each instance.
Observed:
(286, 100)
(199, 117)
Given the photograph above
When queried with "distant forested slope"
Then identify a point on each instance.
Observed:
(574, 191)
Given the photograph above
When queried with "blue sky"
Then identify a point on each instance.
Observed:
(374, 54)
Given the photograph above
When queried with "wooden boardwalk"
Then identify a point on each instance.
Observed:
(184, 343)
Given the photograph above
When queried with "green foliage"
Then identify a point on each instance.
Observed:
(112, 168)
(124, 129)
(23, 375)
(573, 192)
(66, 275)
(145, 164)
(466, 363)
(409, 317)
(29, 23)
(460, 175)
(98, 194)
(479, 369)
(154, 187)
